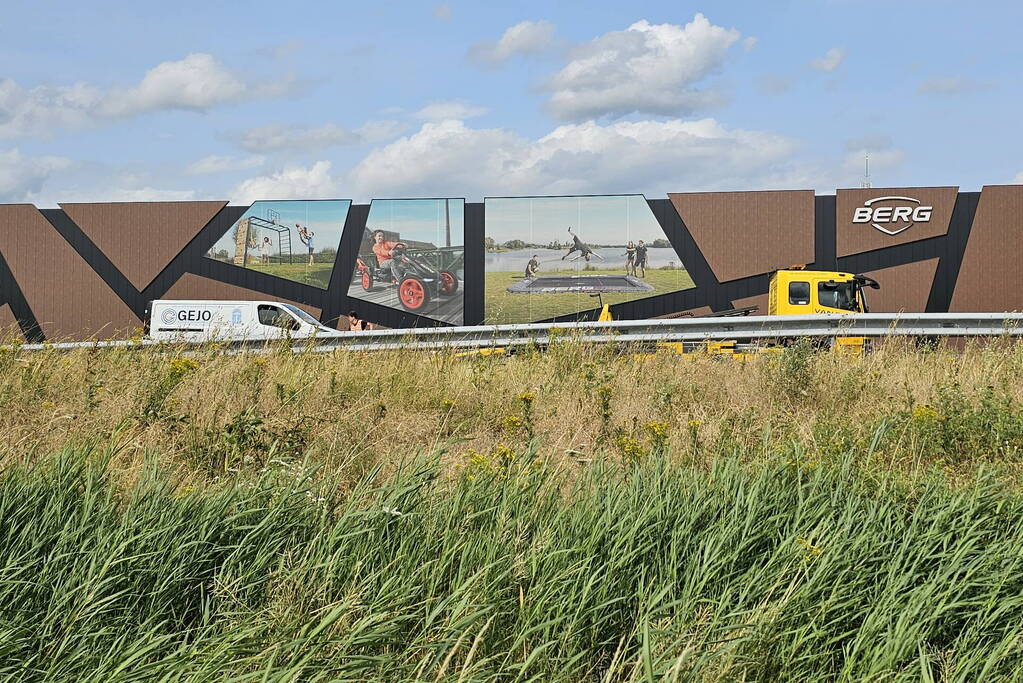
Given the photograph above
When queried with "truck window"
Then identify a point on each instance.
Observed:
(838, 295)
(272, 316)
(799, 293)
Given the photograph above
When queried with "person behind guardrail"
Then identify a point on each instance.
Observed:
(355, 323)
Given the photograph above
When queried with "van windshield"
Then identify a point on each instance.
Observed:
(302, 315)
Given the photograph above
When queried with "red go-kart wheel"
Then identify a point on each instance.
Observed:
(367, 279)
(412, 294)
(448, 283)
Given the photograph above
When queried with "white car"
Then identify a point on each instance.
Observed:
(189, 321)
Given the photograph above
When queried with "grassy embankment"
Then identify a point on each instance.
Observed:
(504, 307)
(576, 515)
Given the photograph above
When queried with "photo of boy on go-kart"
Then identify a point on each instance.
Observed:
(419, 276)
(412, 258)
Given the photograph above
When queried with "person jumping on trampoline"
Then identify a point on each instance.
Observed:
(580, 246)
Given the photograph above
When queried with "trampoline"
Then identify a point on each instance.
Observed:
(592, 284)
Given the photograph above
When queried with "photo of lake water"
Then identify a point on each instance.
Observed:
(550, 259)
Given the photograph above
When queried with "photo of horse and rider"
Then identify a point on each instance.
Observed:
(552, 256)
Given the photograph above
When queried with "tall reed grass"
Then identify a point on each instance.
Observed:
(575, 515)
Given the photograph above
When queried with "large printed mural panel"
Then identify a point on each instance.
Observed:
(294, 239)
(552, 256)
(412, 257)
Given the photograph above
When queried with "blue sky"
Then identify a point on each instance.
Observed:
(105, 101)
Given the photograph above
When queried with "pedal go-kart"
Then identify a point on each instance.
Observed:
(420, 283)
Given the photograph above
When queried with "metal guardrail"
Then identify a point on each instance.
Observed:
(628, 331)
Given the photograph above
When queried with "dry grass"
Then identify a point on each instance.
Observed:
(353, 410)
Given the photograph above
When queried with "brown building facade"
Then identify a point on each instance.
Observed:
(87, 271)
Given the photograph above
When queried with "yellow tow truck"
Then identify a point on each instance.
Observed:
(796, 291)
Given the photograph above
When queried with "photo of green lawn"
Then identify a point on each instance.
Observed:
(316, 274)
(502, 305)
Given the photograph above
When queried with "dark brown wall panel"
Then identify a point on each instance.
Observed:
(9, 328)
(748, 233)
(192, 286)
(141, 238)
(904, 289)
(757, 300)
(856, 238)
(67, 297)
(991, 276)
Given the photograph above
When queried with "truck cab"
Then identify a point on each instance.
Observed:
(805, 292)
(200, 321)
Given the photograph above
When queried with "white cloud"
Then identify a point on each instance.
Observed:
(442, 11)
(830, 61)
(299, 137)
(21, 177)
(451, 109)
(647, 68)
(291, 182)
(295, 137)
(749, 43)
(196, 83)
(950, 86)
(221, 164)
(524, 38)
(645, 156)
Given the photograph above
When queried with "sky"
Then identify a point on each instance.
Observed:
(422, 220)
(107, 101)
(596, 220)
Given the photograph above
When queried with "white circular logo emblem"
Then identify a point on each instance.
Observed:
(167, 316)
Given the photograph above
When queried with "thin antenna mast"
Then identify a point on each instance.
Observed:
(866, 170)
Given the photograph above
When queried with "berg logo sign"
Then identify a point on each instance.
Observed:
(892, 215)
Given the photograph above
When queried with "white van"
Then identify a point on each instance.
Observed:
(230, 320)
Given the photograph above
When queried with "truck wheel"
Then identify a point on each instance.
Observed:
(448, 283)
(412, 294)
(367, 280)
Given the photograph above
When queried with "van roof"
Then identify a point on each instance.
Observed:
(215, 302)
